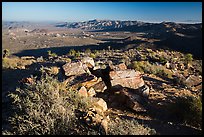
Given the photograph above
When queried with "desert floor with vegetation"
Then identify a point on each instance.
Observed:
(66, 82)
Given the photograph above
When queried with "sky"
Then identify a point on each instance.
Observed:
(83, 11)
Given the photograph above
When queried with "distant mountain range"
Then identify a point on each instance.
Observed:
(100, 24)
(178, 36)
(121, 25)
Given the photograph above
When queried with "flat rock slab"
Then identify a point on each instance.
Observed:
(75, 68)
(123, 74)
(133, 82)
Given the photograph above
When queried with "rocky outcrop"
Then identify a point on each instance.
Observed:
(126, 78)
(133, 100)
(75, 68)
(193, 81)
(90, 81)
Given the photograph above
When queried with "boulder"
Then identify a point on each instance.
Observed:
(91, 92)
(133, 82)
(75, 68)
(104, 125)
(193, 81)
(133, 101)
(88, 61)
(99, 105)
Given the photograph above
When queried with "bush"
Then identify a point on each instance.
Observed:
(187, 109)
(6, 53)
(87, 51)
(46, 107)
(50, 54)
(92, 55)
(77, 54)
(146, 67)
(72, 52)
(128, 127)
(188, 58)
(162, 60)
(14, 63)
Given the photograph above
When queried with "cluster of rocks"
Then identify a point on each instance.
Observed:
(89, 80)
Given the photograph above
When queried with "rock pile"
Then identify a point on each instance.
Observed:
(89, 80)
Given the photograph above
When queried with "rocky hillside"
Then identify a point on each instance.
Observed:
(176, 36)
(103, 92)
(100, 24)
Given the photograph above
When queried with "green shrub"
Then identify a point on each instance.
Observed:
(87, 51)
(146, 67)
(72, 52)
(77, 54)
(14, 63)
(187, 109)
(188, 58)
(137, 66)
(162, 60)
(96, 52)
(50, 54)
(46, 107)
(92, 55)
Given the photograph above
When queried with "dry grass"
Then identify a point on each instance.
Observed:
(14, 63)
(146, 67)
(128, 127)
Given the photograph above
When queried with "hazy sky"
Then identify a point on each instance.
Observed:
(82, 11)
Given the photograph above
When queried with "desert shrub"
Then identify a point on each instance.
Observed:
(6, 53)
(92, 55)
(165, 73)
(96, 52)
(49, 70)
(46, 106)
(87, 51)
(72, 52)
(77, 54)
(146, 67)
(162, 60)
(187, 109)
(128, 127)
(13, 63)
(50, 54)
(137, 66)
(188, 58)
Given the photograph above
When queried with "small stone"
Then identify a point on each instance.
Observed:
(89, 62)
(91, 92)
(99, 104)
(83, 91)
